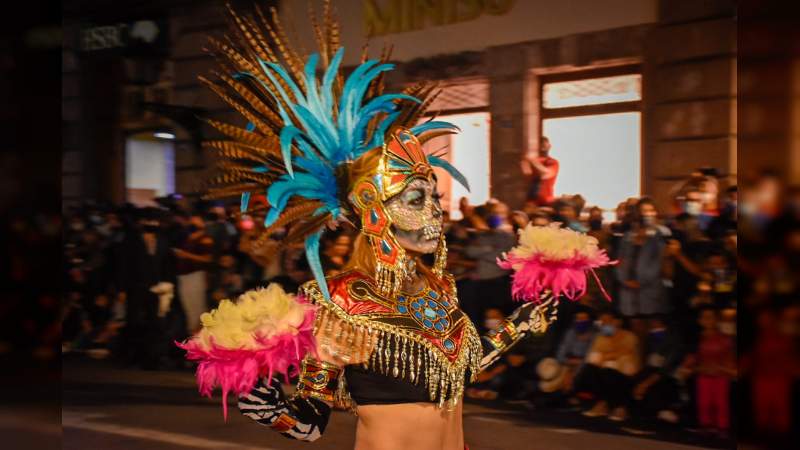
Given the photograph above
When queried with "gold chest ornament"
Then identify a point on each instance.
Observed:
(420, 338)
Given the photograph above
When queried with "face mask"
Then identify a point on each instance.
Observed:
(607, 330)
(582, 326)
(694, 208)
(491, 324)
(658, 335)
(495, 221)
(648, 220)
(596, 224)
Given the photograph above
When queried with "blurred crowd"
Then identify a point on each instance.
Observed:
(664, 350)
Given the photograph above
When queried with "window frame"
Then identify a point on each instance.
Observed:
(586, 110)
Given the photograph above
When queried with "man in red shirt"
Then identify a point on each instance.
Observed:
(542, 170)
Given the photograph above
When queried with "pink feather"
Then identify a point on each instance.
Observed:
(565, 277)
(237, 370)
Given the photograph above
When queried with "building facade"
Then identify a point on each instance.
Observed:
(661, 74)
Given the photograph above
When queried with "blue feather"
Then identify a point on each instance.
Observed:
(288, 133)
(329, 77)
(245, 202)
(380, 133)
(312, 256)
(455, 173)
(325, 142)
(298, 94)
(433, 125)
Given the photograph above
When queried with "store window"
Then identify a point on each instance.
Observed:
(468, 151)
(465, 103)
(594, 127)
(594, 91)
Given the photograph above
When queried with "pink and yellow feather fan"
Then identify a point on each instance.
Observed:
(265, 332)
(549, 258)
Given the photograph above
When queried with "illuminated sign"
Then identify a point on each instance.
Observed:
(383, 17)
(142, 32)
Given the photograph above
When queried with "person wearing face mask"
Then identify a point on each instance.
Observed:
(493, 283)
(610, 365)
(693, 202)
(566, 213)
(696, 203)
(575, 345)
(641, 258)
(655, 388)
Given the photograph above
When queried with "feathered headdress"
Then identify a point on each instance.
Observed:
(304, 127)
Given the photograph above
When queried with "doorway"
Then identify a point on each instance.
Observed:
(149, 167)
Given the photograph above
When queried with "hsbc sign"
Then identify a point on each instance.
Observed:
(121, 35)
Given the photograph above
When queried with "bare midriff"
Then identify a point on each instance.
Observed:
(417, 426)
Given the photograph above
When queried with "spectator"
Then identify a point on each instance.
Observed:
(567, 214)
(640, 269)
(231, 284)
(542, 171)
(147, 263)
(685, 254)
(595, 219)
(493, 283)
(512, 377)
(728, 215)
(466, 211)
(336, 249)
(574, 347)
(519, 220)
(656, 389)
(715, 370)
(612, 362)
(540, 219)
(194, 257)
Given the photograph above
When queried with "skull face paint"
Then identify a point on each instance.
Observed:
(416, 216)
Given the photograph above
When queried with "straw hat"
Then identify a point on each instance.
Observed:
(551, 375)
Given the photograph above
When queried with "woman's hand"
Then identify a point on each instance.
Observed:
(340, 343)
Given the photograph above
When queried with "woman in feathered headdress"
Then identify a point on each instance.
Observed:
(386, 335)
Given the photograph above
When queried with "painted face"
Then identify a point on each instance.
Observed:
(416, 216)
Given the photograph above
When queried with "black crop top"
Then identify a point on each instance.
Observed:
(371, 388)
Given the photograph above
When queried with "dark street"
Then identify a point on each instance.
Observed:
(109, 408)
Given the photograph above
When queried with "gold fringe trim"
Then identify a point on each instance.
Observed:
(402, 354)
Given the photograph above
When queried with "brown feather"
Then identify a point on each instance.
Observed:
(243, 135)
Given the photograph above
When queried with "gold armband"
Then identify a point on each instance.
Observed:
(503, 336)
(318, 379)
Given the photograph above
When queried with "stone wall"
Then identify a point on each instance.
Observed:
(690, 95)
(688, 60)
